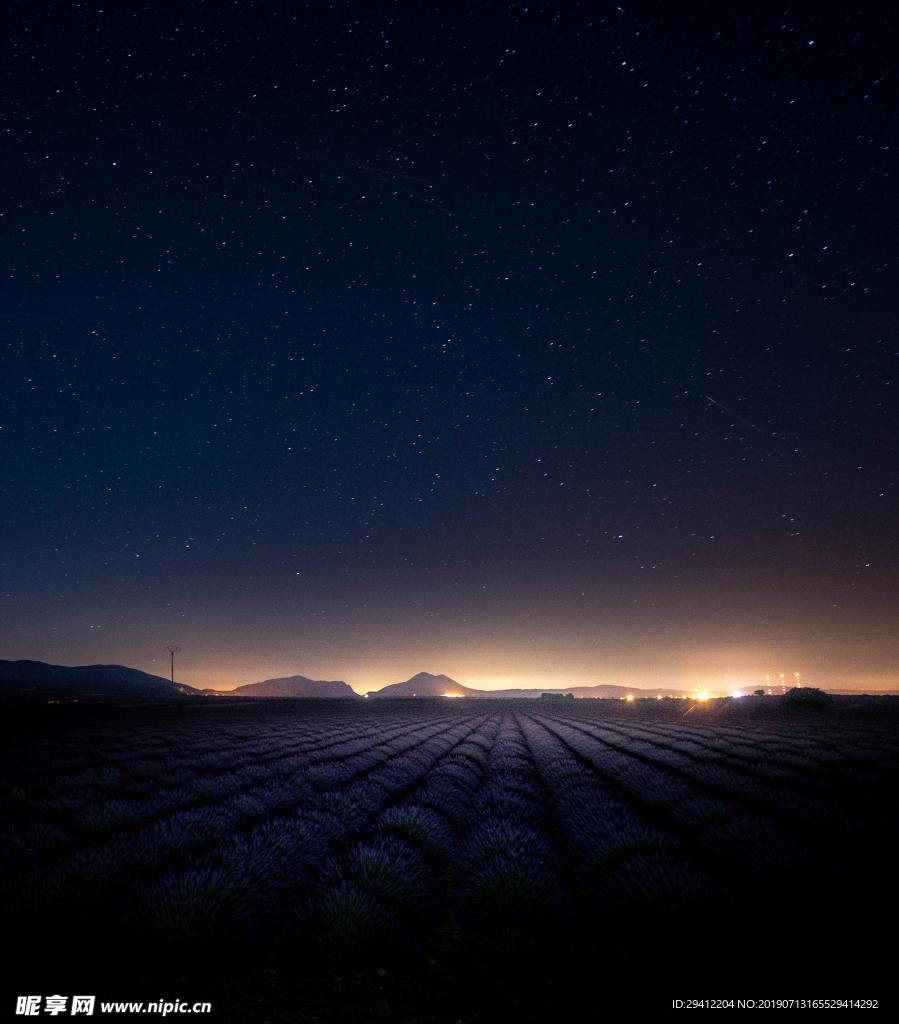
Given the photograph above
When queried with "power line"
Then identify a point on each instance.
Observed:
(172, 649)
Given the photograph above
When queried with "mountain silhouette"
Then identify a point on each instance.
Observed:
(295, 686)
(36, 680)
(424, 684)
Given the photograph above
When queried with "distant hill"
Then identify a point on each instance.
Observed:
(293, 686)
(424, 684)
(36, 680)
(427, 685)
(601, 690)
(863, 693)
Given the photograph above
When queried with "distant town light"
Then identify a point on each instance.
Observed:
(630, 696)
(702, 695)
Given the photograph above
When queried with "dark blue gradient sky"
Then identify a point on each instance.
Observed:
(518, 342)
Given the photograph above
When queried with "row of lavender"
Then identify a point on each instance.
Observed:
(116, 785)
(230, 851)
(497, 824)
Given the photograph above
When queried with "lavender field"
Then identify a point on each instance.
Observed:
(449, 839)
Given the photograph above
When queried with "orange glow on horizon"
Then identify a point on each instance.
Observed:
(685, 676)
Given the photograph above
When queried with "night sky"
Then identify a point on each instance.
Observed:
(528, 343)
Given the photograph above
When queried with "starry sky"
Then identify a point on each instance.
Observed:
(530, 343)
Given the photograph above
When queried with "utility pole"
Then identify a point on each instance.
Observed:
(172, 649)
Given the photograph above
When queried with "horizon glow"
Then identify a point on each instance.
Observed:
(836, 663)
